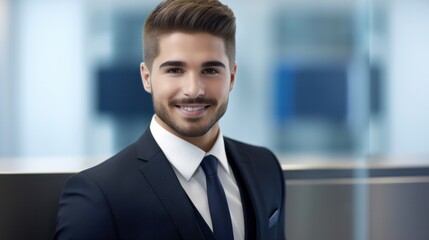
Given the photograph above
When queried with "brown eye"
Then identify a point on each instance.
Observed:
(174, 70)
(210, 71)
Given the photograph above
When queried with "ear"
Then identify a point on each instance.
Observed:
(233, 73)
(145, 75)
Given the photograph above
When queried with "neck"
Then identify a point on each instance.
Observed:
(204, 142)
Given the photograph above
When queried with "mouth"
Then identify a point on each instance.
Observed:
(192, 110)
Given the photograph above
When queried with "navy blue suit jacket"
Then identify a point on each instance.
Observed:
(136, 195)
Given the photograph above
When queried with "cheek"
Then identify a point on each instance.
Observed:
(225, 89)
(163, 89)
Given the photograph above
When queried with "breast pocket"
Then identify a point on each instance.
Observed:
(274, 218)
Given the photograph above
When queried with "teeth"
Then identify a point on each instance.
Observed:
(191, 109)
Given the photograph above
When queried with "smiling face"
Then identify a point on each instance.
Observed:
(190, 81)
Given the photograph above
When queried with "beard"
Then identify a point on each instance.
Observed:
(194, 129)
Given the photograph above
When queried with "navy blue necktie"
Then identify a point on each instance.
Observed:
(219, 211)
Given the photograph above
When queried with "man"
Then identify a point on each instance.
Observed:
(182, 179)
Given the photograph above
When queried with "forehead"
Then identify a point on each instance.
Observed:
(182, 46)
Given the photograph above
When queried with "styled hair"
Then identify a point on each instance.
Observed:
(189, 16)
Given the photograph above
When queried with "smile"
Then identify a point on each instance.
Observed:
(192, 109)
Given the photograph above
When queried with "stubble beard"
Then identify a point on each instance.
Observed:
(197, 131)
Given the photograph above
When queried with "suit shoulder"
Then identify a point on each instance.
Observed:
(261, 158)
(246, 147)
(115, 164)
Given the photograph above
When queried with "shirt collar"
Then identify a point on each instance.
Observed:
(184, 156)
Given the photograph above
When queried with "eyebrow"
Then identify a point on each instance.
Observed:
(213, 64)
(172, 64)
(181, 64)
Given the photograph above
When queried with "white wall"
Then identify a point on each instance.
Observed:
(52, 115)
(408, 78)
(6, 116)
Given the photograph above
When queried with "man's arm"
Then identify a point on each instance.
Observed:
(282, 221)
(273, 188)
(84, 212)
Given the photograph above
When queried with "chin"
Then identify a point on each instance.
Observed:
(192, 131)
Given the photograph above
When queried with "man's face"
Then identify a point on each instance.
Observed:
(190, 81)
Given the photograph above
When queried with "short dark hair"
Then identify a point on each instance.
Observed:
(189, 16)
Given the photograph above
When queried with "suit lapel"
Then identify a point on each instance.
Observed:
(244, 168)
(160, 175)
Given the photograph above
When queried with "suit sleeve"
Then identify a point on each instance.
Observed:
(83, 211)
(281, 234)
(282, 220)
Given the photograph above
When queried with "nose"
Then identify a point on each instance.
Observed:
(193, 86)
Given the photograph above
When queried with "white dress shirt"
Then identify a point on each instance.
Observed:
(185, 159)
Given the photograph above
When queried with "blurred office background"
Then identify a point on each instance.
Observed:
(326, 77)
(325, 84)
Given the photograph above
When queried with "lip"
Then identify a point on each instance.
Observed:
(192, 110)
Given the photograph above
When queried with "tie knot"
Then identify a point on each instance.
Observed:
(209, 165)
